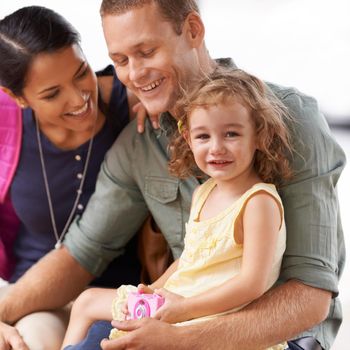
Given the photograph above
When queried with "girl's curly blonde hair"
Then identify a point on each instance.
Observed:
(272, 159)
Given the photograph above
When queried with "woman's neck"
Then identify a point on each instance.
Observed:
(67, 139)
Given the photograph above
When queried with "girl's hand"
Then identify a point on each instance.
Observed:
(174, 308)
(125, 309)
(141, 115)
(142, 288)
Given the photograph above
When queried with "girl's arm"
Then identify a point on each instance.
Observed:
(261, 222)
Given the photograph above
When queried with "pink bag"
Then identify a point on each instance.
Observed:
(9, 225)
(10, 144)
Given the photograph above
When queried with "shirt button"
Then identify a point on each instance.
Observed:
(77, 157)
(80, 207)
(79, 176)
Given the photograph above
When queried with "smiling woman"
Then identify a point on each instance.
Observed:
(62, 91)
(70, 116)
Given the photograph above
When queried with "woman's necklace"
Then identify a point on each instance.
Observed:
(59, 238)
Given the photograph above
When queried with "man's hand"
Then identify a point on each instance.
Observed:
(141, 115)
(281, 313)
(10, 339)
(147, 334)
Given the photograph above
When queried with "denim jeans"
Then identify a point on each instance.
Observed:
(98, 331)
(305, 343)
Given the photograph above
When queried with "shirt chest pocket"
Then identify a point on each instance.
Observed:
(162, 190)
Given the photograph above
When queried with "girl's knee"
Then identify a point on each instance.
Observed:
(85, 300)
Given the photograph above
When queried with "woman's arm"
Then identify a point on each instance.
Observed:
(159, 283)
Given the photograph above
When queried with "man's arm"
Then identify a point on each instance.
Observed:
(51, 283)
(287, 310)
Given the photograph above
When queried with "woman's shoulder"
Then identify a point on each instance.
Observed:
(105, 78)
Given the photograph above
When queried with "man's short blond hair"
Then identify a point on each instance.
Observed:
(174, 11)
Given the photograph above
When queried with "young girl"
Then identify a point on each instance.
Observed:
(231, 129)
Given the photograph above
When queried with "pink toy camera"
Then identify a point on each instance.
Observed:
(143, 305)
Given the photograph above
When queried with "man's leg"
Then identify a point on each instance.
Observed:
(43, 330)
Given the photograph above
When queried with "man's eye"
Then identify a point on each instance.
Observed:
(120, 62)
(147, 53)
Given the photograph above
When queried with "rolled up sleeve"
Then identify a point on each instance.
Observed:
(315, 246)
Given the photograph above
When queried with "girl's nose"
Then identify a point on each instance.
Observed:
(217, 146)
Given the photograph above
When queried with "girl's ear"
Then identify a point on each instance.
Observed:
(186, 136)
(19, 100)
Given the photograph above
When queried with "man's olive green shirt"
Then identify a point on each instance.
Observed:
(134, 181)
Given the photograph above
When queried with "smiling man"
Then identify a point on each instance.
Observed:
(158, 50)
(154, 57)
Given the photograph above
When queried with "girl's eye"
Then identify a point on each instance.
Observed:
(231, 134)
(202, 136)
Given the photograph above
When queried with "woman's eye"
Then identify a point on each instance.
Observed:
(83, 73)
(51, 96)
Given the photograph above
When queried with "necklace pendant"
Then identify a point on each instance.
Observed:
(58, 245)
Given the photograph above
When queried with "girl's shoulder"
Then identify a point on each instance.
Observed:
(261, 195)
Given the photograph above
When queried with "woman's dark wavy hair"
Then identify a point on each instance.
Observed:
(26, 33)
(269, 116)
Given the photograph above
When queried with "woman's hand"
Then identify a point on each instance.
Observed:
(10, 339)
(174, 308)
(141, 115)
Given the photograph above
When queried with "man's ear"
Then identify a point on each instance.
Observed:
(195, 29)
(19, 100)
